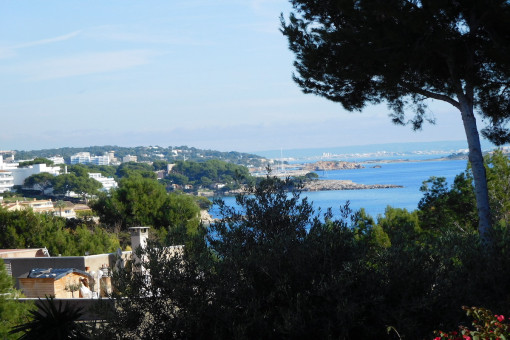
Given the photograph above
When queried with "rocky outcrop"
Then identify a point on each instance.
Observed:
(321, 185)
(205, 217)
(332, 165)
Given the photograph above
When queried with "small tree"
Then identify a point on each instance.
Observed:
(83, 186)
(12, 311)
(60, 205)
(42, 181)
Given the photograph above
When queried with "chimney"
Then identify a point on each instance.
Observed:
(139, 237)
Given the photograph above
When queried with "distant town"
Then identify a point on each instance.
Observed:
(31, 171)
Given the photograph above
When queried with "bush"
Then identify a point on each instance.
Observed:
(486, 325)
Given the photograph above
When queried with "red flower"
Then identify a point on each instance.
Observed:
(500, 318)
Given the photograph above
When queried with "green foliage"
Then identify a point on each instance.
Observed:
(12, 311)
(94, 241)
(144, 201)
(144, 153)
(177, 179)
(210, 172)
(159, 165)
(446, 207)
(486, 326)
(137, 201)
(443, 207)
(203, 202)
(306, 178)
(180, 210)
(132, 168)
(37, 160)
(273, 268)
(52, 321)
(84, 213)
(26, 229)
(400, 224)
(360, 52)
(41, 181)
(80, 170)
(105, 170)
(364, 52)
(367, 230)
(498, 181)
(82, 185)
(312, 175)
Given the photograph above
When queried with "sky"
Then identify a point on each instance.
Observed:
(208, 74)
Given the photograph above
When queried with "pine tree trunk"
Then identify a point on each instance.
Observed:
(478, 168)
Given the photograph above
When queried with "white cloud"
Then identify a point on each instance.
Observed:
(6, 52)
(10, 51)
(48, 40)
(115, 33)
(88, 63)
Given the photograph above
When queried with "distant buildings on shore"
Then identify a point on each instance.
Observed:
(11, 174)
(107, 182)
(85, 158)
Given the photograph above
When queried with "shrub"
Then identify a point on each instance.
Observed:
(486, 324)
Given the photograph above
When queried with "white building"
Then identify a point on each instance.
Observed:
(100, 160)
(20, 174)
(111, 156)
(57, 160)
(80, 158)
(107, 182)
(85, 158)
(6, 181)
(129, 158)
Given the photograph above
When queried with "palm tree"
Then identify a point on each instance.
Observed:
(60, 205)
(50, 321)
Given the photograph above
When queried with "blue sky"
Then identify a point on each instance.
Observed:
(209, 74)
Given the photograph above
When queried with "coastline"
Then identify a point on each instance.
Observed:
(335, 184)
(302, 169)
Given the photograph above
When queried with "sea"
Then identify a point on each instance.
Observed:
(407, 165)
(410, 175)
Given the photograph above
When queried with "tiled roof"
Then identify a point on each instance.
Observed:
(53, 273)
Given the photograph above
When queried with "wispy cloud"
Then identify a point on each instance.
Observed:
(88, 63)
(120, 34)
(48, 40)
(10, 51)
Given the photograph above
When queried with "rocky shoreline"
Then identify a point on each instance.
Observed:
(332, 184)
(331, 165)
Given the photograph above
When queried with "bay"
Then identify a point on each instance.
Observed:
(408, 174)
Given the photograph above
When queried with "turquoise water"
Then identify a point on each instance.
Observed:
(409, 174)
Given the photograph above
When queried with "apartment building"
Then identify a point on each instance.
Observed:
(12, 175)
(107, 182)
(129, 158)
(86, 158)
(6, 181)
